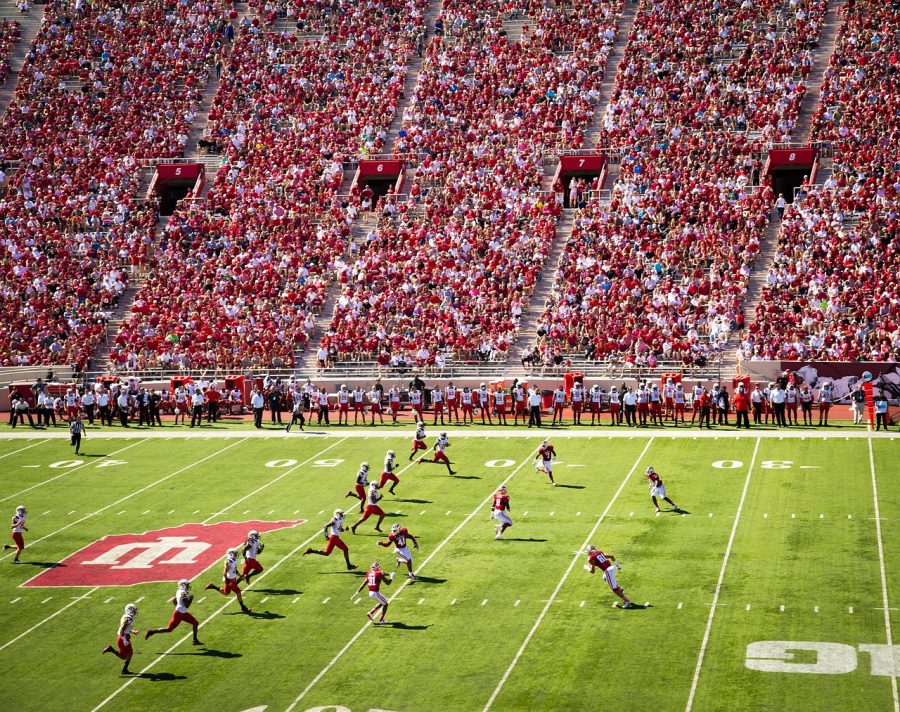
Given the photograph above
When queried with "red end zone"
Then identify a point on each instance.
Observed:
(170, 554)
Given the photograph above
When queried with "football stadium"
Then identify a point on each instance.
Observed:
(609, 288)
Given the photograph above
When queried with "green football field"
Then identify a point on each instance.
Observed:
(773, 586)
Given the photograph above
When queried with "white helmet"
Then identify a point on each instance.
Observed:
(364, 466)
(482, 385)
(391, 453)
(545, 443)
(232, 553)
(339, 512)
(444, 434)
(650, 469)
(343, 386)
(375, 566)
(420, 424)
(596, 387)
(669, 380)
(374, 485)
(184, 584)
(131, 610)
(395, 528)
(501, 488)
(20, 509)
(253, 534)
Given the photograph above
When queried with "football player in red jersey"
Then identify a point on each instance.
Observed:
(333, 534)
(398, 537)
(657, 489)
(500, 512)
(18, 528)
(182, 601)
(359, 487)
(250, 550)
(372, 500)
(546, 455)
(123, 638)
(374, 578)
(230, 578)
(442, 443)
(598, 560)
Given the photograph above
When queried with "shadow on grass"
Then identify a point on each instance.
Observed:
(265, 615)
(570, 486)
(427, 579)
(634, 607)
(463, 477)
(211, 653)
(403, 626)
(277, 591)
(415, 501)
(679, 510)
(512, 538)
(40, 564)
(157, 676)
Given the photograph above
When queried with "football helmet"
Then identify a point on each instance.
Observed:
(21, 509)
(591, 548)
(501, 488)
(390, 453)
(339, 512)
(444, 434)
(395, 528)
(650, 470)
(375, 566)
(374, 485)
(364, 466)
(232, 553)
(545, 443)
(343, 386)
(184, 584)
(420, 424)
(131, 610)
(253, 534)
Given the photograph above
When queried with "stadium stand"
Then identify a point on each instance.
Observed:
(832, 292)
(9, 36)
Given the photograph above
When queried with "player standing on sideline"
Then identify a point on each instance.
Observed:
(696, 394)
(499, 397)
(546, 455)
(372, 500)
(577, 403)
(387, 474)
(669, 398)
(374, 578)
(182, 601)
(359, 488)
(643, 404)
(359, 405)
(375, 406)
(656, 412)
(440, 445)
(394, 399)
(76, 432)
(825, 399)
(519, 404)
(596, 396)
(123, 638)
(398, 537)
(484, 404)
(806, 403)
(437, 404)
(559, 404)
(343, 399)
(615, 407)
(415, 401)
(418, 442)
(451, 396)
(500, 512)
(333, 535)
(18, 527)
(250, 550)
(790, 400)
(230, 578)
(598, 560)
(466, 400)
(657, 489)
(678, 398)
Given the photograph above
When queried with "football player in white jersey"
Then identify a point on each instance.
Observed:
(123, 649)
(250, 550)
(230, 578)
(182, 601)
(333, 536)
(440, 445)
(18, 528)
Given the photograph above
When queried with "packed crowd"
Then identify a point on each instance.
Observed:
(658, 274)
(714, 65)
(451, 277)
(9, 37)
(103, 85)
(833, 292)
(251, 266)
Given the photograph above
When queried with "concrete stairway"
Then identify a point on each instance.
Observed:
(29, 25)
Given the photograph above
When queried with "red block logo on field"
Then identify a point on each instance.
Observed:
(161, 555)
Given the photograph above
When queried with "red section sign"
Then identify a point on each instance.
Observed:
(590, 162)
(161, 555)
(792, 158)
(178, 171)
(369, 169)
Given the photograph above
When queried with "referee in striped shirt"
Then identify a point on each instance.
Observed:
(76, 430)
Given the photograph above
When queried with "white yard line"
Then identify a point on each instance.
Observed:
(27, 447)
(48, 618)
(129, 496)
(884, 590)
(437, 549)
(69, 471)
(578, 555)
(712, 608)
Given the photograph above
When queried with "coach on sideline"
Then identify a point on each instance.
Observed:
(257, 402)
(534, 408)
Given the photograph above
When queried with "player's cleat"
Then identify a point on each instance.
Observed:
(16, 561)
(377, 529)
(353, 529)
(382, 622)
(369, 616)
(210, 587)
(245, 609)
(148, 634)
(107, 649)
(308, 551)
(351, 567)
(553, 484)
(453, 472)
(196, 642)
(628, 604)
(499, 537)
(412, 577)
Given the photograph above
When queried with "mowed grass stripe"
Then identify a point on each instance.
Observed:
(887, 467)
(7, 443)
(666, 560)
(461, 647)
(805, 554)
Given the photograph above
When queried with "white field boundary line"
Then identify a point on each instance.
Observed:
(129, 496)
(715, 601)
(386, 432)
(884, 590)
(206, 521)
(27, 447)
(48, 618)
(437, 549)
(221, 608)
(70, 470)
(565, 576)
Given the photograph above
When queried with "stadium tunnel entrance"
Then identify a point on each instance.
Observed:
(374, 179)
(585, 165)
(174, 182)
(789, 168)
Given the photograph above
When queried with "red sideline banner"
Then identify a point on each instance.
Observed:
(376, 169)
(178, 171)
(792, 157)
(593, 162)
